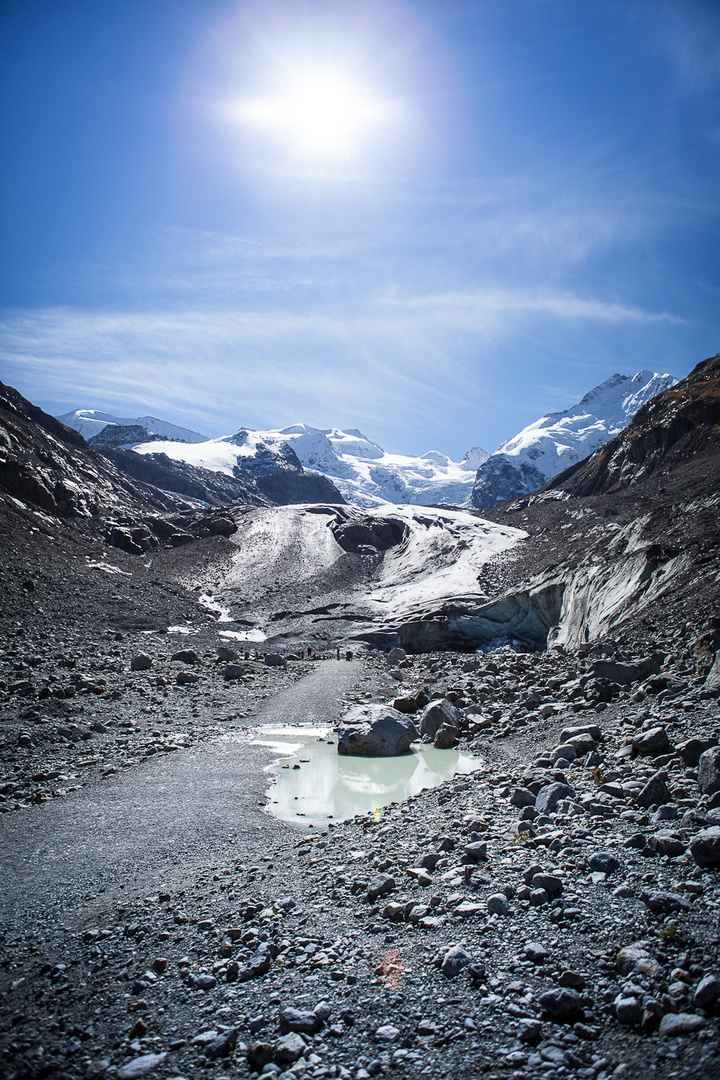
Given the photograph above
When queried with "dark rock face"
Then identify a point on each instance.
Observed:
(284, 487)
(498, 480)
(47, 465)
(436, 715)
(709, 771)
(202, 484)
(122, 435)
(368, 535)
(15, 404)
(281, 479)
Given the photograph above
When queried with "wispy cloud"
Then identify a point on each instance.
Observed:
(222, 368)
(496, 306)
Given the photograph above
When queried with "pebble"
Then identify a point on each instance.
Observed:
(454, 960)
(497, 904)
(140, 1066)
(563, 1005)
(678, 1024)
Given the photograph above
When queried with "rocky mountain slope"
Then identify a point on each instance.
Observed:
(681, 424)
(630, 538)
(48, 466)
(557, 441)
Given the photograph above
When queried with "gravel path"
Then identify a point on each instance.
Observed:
(537, 918)
(152, 825)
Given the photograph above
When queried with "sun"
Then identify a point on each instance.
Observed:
(319, 114)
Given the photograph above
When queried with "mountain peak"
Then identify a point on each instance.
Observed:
(90, 422)
(557, 441)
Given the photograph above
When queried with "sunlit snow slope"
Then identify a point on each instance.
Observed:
(361, 470)
(90, 422)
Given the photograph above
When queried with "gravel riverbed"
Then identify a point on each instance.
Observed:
(555, 913)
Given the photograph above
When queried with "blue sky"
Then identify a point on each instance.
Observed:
(487, 208)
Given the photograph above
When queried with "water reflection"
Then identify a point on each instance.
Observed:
(314, 784)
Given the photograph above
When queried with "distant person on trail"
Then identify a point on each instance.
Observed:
(338, 652)
(348, 655)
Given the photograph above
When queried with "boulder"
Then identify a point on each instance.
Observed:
(709, 771)
(583, 743)
(628, 1010)
(233, 671)
(380, 885)
(691, 750)
(674, 1025)
(375, 731)
(453, 961)
(712, 683)
(437, 714)
(141, 662)
(591, 731)
(564, 1006)
(667, 842)
(549, 796)
(221, 526)
(289, 1048)
(707, 994)
(275, 660)
(185, 678)
(548, 884)
(522, 797)
(652, 743)
(635, 959)
(664, 902)
(406, 704)
(186, 656)
(656, 792)
(223, 1045)
(705, 846)
(226, 655)
(624, 674)
(603, 862)
(303, 1021)
(447, 738)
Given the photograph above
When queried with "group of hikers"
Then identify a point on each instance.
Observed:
(303, 654)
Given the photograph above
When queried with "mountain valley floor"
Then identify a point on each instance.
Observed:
(555, 913)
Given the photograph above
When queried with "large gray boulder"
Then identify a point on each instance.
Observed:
(624, 674)
(437, 714)
(705, 847)
(652, 743)
(712, 683)
(709, 771)
(375, 731)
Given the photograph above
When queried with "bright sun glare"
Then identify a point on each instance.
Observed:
(319, 114)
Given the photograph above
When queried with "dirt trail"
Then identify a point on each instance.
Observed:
(153, 825)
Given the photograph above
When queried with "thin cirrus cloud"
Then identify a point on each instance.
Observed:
(222, 365)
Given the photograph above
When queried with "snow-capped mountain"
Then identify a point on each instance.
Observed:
(90, 422)
(554, 442)
(361, 470)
